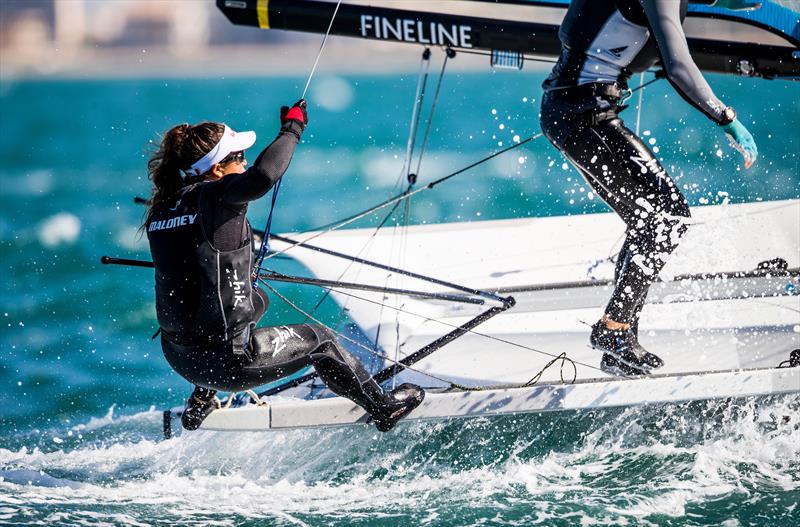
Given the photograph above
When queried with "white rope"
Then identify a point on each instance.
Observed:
(255, 398)
(322, 47)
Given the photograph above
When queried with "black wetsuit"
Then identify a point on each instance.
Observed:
(603, 43)
(207, 309)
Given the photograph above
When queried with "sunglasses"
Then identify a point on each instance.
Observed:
(233, 157)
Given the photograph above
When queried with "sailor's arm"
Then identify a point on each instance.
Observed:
(271, 163)
(663, 17)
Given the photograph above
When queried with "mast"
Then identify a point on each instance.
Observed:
(524, 36)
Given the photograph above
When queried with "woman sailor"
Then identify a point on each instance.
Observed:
(201, 243)
(603, 42)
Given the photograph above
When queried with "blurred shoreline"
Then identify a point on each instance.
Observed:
(342, 55)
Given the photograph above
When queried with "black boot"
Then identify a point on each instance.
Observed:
(386, 409)
(345, 376)
(623, 355)
(396, 405)
(200, 404)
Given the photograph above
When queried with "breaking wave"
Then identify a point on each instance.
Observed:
(662, 464)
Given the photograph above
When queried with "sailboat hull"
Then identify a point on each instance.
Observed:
(724, 317)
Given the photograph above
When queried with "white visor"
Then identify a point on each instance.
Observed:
(231, 141)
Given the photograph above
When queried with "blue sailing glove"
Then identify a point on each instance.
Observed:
(737, 5)
(742, 141)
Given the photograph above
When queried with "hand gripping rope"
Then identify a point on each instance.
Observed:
(268, 228)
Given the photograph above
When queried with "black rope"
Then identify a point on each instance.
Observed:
(411, 274)
(535, 379)
(484, 160)
(659, 75)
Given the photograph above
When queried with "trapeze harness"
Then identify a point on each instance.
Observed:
(206, 306)
(603, 43)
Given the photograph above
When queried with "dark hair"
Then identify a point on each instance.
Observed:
(180, 148)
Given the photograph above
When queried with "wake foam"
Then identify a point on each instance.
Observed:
(610, 466)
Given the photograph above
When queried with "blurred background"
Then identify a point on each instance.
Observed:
(86, 89)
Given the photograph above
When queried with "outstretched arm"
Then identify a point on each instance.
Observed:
(268, 168)
(663, 17)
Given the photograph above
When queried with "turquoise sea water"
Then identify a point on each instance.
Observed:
(81, 383)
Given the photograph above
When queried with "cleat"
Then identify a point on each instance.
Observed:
(396, 405)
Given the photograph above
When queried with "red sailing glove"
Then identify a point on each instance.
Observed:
(296, 113)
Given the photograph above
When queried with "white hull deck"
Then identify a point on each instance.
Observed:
(336, 411)
(559, 272)
(721, 326)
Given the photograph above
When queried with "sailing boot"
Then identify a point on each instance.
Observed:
(651, 359)
(394, 405)
(345, 376)
(200, 404)
(622, 353)
(385, 409)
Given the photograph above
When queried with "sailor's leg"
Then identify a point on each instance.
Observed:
(623, 260)
(286, 349)
(625, 173)
(345, 376)
(278, 351)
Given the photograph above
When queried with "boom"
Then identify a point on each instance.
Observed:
(773, 52)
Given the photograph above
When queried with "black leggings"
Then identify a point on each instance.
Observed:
(274, 352)
(271, 354)
(625, 173)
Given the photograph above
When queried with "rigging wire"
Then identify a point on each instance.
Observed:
(419, 97)
(555, 358)
(264, 249)
(411, 177)
(413, 127)
(321, 47)
(477, 333)
(401, 223)
(353, 261)
(345, 337)
(325, 229)
(449, 53)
